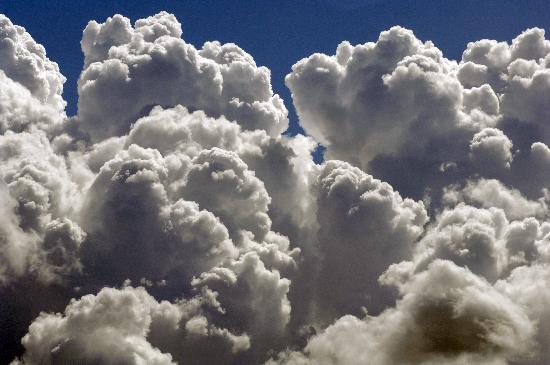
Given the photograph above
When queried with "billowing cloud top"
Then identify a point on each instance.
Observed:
(171, 222)
(128, 70)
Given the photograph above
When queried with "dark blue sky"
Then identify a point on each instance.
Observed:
(278, 33)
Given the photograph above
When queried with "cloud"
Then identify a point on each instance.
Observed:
(445, 315)
(482, 240)
(422, 238)
(283, 164)
(396, 96)
(489, 193)
(118, 326)
(398, 107)
(21, 111)
(528, 287)
(128, 70)
(131, 222)
(36, 192)
(256, 297)
(491, 149)
(241, 199)
(17, 246)
(364, 226)
(24, 61)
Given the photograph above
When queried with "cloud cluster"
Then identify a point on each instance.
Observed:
(398, 107)
(171, 222)
(446, 315)
(128, 326)
(128, 70)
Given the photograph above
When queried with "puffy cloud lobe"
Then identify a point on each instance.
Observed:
(240, 199)
(130, 219)
(110, 328)
(364, 226)
(37, 178)
(483, 240)
(496, 63)
(116, 326)
(98, 38)
(469, 237)
(528, 286)
(21, 111)
(40, 248)
(131, 69)
(526, 98)
(531, 160)
(18, 246)
(61, 247)
(283, 164)
(176, 129)
(491, 150)
(484, 61)
(530, 45)
(516, 72)
(370, 99)
(254, 296)
(135, 230)
(368, 104)
(489, 193)
(446, 315)
(37, 193)
(184, 330)
(24, 61)
(395, 108)
(538, 165)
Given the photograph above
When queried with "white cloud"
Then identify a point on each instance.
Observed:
(491, 150)
(128, 70)
(364, 226)
(135, 230)
(487, 193)
(24, 61)
(118, 326)
(398, 95)
(174, 174)
(446, 315)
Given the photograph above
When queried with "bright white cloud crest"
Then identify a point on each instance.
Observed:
(171, 222)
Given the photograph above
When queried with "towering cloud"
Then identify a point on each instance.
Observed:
(24, 61)
(128, 70)
(171, 222)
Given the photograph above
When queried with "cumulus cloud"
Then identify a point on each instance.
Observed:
(17, 246)
(492, 193)
(445, 314)
(24, 61)
(491, 149)
(20, 110)
(130, 220)
(423, 238)
(398, 107)
(391, 107)
(118, 326)
(529, 287)
(364, 227)
(128, 70)
(36, 192)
